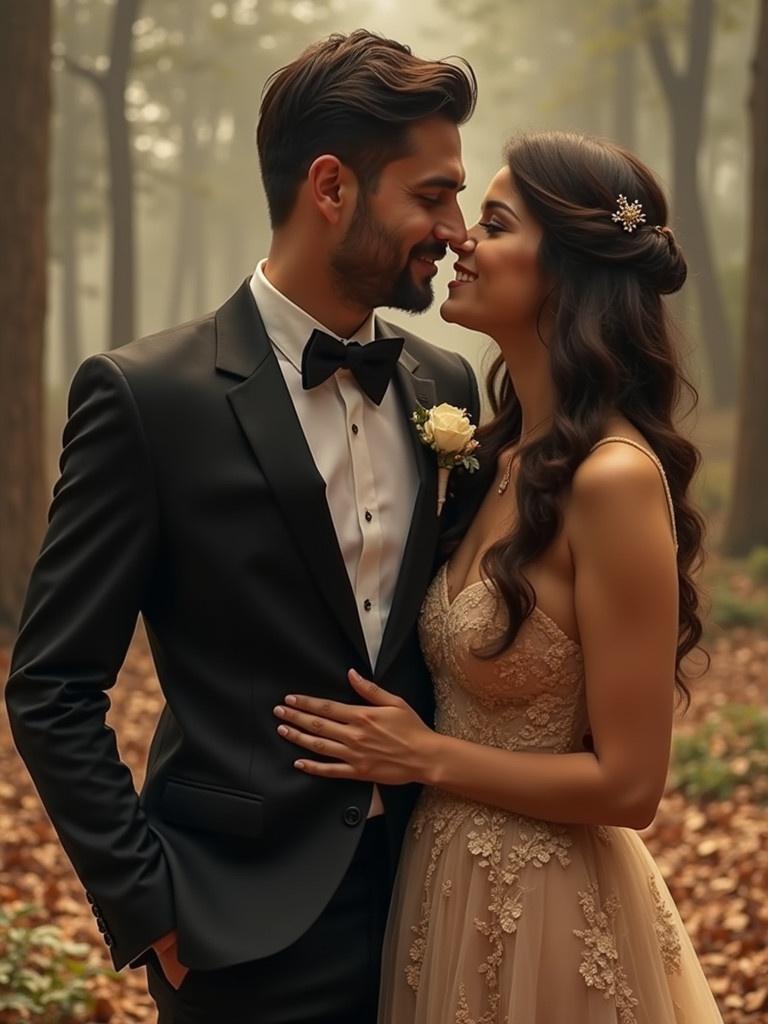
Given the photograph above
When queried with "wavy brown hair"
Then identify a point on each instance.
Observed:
(611, 349)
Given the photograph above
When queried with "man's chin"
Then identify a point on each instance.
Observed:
(416, 299)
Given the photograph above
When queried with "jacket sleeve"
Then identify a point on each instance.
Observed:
(81, 607)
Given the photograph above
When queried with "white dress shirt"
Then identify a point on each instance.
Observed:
(361, 450)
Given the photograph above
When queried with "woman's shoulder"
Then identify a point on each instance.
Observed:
(617, 485)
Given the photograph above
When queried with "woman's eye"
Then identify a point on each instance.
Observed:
(490, 227)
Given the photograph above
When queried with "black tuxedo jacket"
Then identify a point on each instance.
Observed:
(188, 493)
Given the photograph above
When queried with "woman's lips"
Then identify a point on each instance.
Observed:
(463, 276)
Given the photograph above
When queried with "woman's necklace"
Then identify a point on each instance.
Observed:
(508, 471)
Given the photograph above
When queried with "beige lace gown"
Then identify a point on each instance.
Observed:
(501, 919)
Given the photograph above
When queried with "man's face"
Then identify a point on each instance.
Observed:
(388, 256)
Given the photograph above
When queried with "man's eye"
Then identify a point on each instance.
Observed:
(431, 200)
(491, 228)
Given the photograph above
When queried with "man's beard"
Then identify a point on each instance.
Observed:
(369, 271)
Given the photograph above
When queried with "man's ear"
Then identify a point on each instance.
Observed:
(332, 188)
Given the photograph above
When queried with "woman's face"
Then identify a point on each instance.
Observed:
(500, 287)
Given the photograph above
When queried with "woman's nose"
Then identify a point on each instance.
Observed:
(465, 248)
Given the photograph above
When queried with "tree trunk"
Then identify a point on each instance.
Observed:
(747, 525)
(624, 128)
(238, 235)
(122, 305)
(110, 86)
(68, 226)
(692, 223)
(25, 44)
(685, 92)
(189, 208)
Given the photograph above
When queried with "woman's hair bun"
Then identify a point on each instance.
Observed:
(664, 264)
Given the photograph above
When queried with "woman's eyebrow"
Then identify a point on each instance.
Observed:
(497, 204)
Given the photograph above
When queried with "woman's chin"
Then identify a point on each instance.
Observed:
(451, 311)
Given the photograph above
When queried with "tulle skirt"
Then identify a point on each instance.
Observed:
(498, 919)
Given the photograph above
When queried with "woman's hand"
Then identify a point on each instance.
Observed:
(386, 742)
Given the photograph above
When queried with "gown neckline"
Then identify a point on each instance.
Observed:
(450, 604)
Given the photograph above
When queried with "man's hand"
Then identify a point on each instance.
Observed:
(166, 949)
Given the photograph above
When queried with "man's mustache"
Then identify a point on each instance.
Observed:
(431, 254)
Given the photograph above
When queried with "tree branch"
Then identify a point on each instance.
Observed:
(76, 68)
(659, 49)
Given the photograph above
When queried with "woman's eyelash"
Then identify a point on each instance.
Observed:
(490, 227)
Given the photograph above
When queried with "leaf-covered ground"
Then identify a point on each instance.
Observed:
(714, 854)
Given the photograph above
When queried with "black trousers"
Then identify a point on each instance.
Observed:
(329, 976)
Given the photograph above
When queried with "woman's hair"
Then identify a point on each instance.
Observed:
(610, 349)
(354, 96)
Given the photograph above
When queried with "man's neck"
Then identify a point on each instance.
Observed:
(312, 290)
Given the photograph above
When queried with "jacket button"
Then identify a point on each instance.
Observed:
(90, 898)
(352, 816)
(108, 939)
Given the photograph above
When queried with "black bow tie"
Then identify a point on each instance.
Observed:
(372, 365)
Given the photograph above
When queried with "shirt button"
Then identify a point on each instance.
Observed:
(352, 816)
(367, 604)
(368, 516)
(355, 428)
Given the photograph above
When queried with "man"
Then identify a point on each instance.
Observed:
(251, 483)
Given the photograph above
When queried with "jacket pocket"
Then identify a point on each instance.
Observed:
(197, 805)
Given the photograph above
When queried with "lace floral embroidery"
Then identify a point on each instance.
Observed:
(538, 843)
(600, 966)
(666, 932)
(530, 697)
(464, 1014)
(444, 815)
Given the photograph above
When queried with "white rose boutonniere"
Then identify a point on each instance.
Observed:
(447, 430)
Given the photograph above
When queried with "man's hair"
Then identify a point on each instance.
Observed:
(354, 96)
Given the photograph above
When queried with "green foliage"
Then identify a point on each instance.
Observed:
(730, 611)
(730, 749)
(42, 974)
(710, 496)
(757, 565)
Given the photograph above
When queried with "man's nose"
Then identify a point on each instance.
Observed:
(452, 229)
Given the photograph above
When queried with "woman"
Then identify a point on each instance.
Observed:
(555, 631)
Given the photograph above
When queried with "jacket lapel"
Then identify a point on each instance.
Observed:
(419, 554)
(267, 417)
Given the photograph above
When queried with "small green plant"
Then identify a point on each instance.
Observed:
(730, 749)
(757, 565)
(42, 974)
(729, 610)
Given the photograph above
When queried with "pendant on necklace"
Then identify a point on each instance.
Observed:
(507, 474)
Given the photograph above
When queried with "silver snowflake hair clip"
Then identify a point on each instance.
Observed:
(629, 215)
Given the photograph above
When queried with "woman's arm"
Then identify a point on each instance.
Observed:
(627, 608)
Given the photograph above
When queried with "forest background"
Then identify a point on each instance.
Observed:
(131, 201)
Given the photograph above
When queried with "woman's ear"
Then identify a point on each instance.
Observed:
(332, 187)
